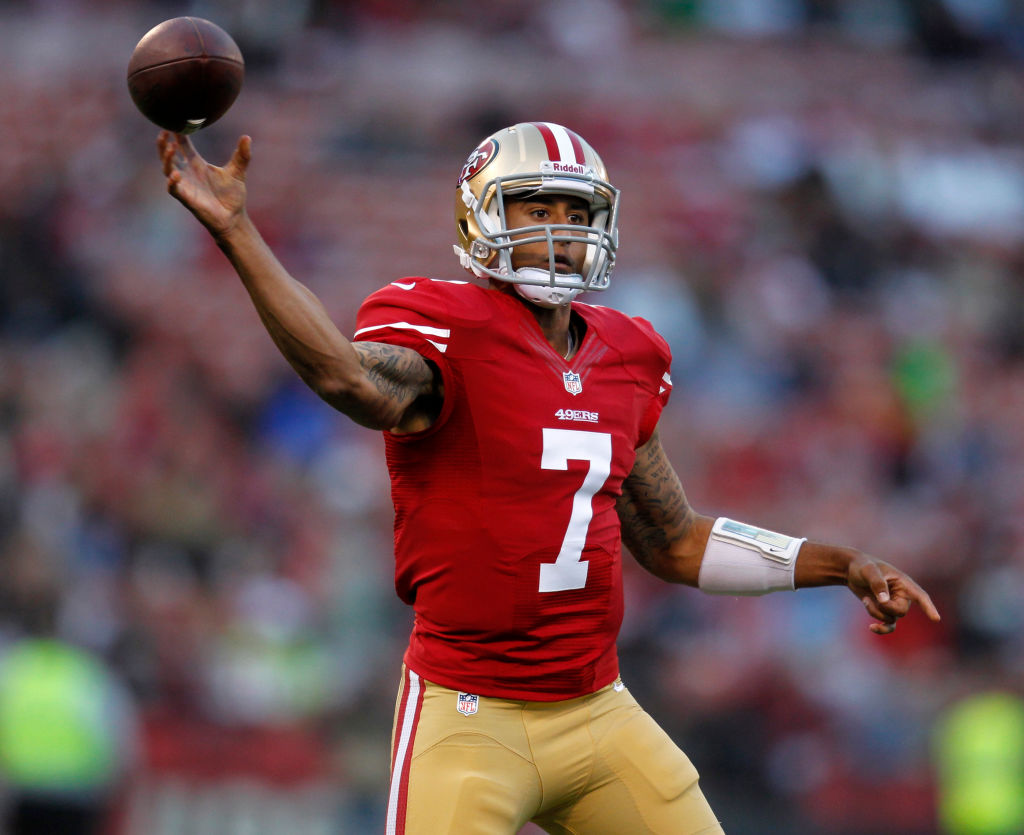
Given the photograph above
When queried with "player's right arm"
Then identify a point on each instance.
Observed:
(377, 385)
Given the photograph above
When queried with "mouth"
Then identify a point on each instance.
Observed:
(564, 265)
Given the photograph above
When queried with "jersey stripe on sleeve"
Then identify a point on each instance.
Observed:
(426, 330)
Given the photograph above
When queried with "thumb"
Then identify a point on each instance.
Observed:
(876, 581)
(239, 162)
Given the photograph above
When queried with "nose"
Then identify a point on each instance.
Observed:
(563, 248)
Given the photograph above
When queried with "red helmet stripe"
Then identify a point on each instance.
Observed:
(577, 146)
(549, 141)
(562, 144)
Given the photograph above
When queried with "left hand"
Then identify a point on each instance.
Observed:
(886, 592)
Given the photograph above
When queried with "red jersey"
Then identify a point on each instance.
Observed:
(507, 543)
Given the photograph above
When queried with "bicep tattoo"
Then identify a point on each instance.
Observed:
(404, 390)
(653, 508)
(398, 374)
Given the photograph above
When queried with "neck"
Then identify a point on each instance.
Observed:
(554, 322)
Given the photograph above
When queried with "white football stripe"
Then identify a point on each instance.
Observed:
(407, 326)
(402, 286)
(439, 345)
(564, 143)
(666, 378)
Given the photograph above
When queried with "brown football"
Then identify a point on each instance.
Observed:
(185, 73)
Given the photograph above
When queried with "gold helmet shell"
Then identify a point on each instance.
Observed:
(525, 159)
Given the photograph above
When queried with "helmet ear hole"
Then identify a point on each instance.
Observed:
(464, 227)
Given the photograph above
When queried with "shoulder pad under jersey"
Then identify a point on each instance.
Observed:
(633, 336)
(421, 310)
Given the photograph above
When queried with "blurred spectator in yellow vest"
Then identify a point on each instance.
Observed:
(67, 734)
(979, 749)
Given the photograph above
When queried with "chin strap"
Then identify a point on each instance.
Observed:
(544, 295)
(467, 261)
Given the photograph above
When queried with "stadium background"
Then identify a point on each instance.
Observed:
(823, 212)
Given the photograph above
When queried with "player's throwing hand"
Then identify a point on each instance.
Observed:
(216, 196)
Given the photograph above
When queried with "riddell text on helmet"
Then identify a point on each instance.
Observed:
(566, 168)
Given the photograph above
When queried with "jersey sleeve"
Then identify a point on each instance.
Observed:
(410, 313)
(657, 372)
(406, 313)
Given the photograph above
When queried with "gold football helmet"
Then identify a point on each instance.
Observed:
(526, 159)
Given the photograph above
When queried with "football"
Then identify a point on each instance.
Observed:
(185, 73)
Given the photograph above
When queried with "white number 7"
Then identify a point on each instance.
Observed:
(561, 446)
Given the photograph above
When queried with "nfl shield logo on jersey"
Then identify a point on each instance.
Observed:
(573, 384)
(468, 704)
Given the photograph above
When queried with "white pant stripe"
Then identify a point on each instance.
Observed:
(405, 729)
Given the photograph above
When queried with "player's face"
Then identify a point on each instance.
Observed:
(542, 210)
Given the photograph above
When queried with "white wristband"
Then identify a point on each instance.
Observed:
(744, 560)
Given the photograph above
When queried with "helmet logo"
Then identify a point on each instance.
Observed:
(478, 160)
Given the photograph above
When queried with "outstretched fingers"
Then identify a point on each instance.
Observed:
(166, 147)
(177, 151)
(172, 171)
(172, 158)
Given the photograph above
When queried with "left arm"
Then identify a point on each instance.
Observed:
(668, 538)
(662, 531)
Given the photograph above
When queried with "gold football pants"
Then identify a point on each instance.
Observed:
(595, 765)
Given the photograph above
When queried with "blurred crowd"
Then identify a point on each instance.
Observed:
(823, 212)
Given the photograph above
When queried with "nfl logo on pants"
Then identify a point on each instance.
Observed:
(468, 703)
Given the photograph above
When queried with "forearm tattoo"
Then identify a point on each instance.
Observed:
(653, 509)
